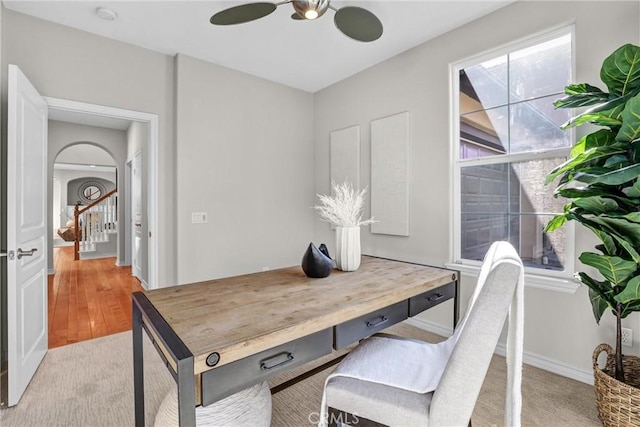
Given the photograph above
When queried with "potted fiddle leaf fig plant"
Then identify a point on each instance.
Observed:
(601, 181)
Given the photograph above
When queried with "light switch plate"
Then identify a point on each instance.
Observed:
(198, 217)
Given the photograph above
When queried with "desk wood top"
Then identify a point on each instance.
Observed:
(243, 315)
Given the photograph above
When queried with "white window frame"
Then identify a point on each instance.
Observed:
(556, 280)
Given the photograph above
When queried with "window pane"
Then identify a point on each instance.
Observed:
(535, 125)
(509, 201)
(488, 130)
(540, 70)
(484, 85)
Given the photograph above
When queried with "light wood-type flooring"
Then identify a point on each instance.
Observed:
(88, 298)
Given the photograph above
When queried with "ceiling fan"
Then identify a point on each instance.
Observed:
(354, 22)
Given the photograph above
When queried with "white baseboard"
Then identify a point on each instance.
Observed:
(145, 285)
(551, 365)
(434, 328)
(51, 271)
(529, 358)
(96, 255)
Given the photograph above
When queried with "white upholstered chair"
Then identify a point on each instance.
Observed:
(395, 381)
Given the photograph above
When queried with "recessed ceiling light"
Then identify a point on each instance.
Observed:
(106, 14)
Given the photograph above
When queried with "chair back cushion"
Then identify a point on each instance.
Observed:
(476, 337)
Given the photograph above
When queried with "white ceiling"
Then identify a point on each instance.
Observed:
(307, 55)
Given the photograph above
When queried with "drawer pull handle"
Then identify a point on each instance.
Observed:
(435, 297)
(266, 367)
(382, 320)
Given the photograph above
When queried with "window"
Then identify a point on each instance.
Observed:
(507, 138)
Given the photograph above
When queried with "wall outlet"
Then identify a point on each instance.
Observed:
(198, 217)
(627, 337)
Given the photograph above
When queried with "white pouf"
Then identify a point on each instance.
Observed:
(249, 407)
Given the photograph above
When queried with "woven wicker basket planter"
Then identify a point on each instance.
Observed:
(618, 403)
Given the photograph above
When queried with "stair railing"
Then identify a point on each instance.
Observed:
(93, 222)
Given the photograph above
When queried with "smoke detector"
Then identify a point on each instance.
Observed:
(106, 14)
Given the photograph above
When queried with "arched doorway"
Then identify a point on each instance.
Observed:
(82, 173)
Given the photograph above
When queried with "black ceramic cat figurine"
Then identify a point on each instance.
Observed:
(315, 263)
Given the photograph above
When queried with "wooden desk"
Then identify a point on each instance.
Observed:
(220, 336)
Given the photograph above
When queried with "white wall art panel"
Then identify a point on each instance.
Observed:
(345, 156)
(389, 175)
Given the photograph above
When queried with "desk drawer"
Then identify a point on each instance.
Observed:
(429, 299)
(367, 325)
(226, 380)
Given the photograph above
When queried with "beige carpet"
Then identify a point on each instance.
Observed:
(90, 384)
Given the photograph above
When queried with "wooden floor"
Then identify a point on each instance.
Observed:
(88, 299)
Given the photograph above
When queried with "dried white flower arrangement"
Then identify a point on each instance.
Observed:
(344, 208)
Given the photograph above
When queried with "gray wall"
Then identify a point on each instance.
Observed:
(62, 135)
(67, 63)
(559, 327)
(244, 156)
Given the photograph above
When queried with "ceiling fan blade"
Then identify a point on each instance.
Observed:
(358, 23)
(297, 17)
(243, 13)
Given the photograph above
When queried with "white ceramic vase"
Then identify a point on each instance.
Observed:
(348, 248)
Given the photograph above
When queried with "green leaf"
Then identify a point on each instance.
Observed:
(633, 191)
(613, 268)
(621, 70)
(593, 190)
(600, 294)
(598, 305)
(599, 138)
(628, 247)
(590, 155)
(630, 130)
(555, 223)
(582, 89)
(633, 217)
(631, 291)
(596, 204)
(581, 95)
(615, 177)
(622, 227)
(607, 114)
(617, 161)
(629, 308)
(606, 238)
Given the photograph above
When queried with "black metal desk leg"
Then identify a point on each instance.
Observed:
(138, 369)
(186, 393)
(456, 303)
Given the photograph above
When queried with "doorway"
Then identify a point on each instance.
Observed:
(104, 116)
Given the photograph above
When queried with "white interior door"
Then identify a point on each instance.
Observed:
(26, 233)
(136, 215)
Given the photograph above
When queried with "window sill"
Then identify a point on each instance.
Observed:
(536, 281)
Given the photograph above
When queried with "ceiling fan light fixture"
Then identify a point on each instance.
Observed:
(310, 9)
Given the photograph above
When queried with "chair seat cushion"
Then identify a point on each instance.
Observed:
(377, 402)
(386, 359)
(249, 407)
